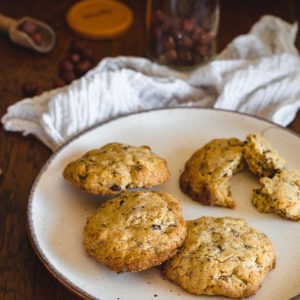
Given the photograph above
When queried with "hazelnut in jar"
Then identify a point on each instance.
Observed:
(182, 33)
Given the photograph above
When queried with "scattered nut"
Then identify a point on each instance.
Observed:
(30, 89)
(68, 76)
(74, 58)
(76, 64)
(66, 66)
(82, 67)
(59, 82)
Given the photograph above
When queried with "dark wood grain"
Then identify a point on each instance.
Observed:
(22, 275)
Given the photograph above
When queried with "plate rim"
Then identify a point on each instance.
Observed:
(101, 123)
(62, 279)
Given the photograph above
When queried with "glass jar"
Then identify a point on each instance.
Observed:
(182, 33)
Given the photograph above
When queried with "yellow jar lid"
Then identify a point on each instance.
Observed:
(99, 19)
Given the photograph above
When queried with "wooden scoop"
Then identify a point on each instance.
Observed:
(29, 33)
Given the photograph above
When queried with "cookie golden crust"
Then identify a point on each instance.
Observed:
(261, 157)
(115, 168)
(135, 231)
(279, 195)
(207, 173)
(221, 256)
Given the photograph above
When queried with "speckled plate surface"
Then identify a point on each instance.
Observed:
(57, 211)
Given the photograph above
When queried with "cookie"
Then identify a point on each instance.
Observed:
(207, 173)
(115, 168)
(279, 195)
(135, 231)
(261, 157)
(221, 256)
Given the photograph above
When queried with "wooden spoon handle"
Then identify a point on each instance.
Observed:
(6, 23)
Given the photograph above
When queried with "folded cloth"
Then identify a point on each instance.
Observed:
(257, 73)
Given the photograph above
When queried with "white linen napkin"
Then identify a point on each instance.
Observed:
(257, 73)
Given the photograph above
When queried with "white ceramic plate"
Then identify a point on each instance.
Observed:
(57, 211)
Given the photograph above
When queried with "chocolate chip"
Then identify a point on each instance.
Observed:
(138, 167)
(156, 227)
(115, 188)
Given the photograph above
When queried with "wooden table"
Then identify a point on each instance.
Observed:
(22, 275)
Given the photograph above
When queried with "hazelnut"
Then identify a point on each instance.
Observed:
(37, 38)
(82, 67)
(30, 89)
(74, 57)
(187, 25)
(180, 41)
(66, 66)
(158, 17)
(28, 27)
(78, 45)
(68, 76)
(59, 82)
(87, 53)
(171, 55)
